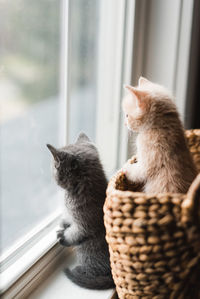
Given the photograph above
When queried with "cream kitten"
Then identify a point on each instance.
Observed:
(164, 163)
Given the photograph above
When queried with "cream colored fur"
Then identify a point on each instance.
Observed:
(164, 161)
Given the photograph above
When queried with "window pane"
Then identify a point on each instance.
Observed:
(83, 64)
(29, 99)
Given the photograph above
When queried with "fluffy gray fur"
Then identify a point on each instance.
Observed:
(79, 172)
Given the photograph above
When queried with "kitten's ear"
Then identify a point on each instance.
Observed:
(54, 152)
(138, 95)
(83, 137)
(142, 81)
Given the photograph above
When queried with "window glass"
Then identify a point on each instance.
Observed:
(31, 54)
(83, 64)
(29, 99)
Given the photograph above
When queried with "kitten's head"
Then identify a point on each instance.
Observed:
(147, 105)
(71, 161)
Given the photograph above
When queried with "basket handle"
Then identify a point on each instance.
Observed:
(191, 204)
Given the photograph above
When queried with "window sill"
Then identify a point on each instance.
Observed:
(59, 286)
(38, 273)
(32, 255)
(46, 279)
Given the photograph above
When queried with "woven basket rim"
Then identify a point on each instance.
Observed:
(112, 191)
(193, 132)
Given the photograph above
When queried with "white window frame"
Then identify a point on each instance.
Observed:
(115, 67)
(169, 25)
(129, 54)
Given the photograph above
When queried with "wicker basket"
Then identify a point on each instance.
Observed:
(154, 241)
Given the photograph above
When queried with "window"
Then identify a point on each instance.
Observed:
(30, 58)
(30, 104)
(53, 66)
(62, 66)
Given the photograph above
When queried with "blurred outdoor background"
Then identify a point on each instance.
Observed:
(30, 102)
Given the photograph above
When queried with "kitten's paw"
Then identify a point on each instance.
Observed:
(61, 237)
(64, 242)
(123, 170)
(127, 170)
(77, 242)
(60, 234)
(64, 225)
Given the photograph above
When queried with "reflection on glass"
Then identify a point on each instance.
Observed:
(29, 88)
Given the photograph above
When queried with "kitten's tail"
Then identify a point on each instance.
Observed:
(78, 276)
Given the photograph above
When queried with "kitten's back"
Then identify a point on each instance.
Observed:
(162, 151)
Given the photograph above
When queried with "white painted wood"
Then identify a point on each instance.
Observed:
(109, 80)
(59, 286)
(162, 38)
(127, 76)
(167, 44)
(183, 55)
(64, 73)
(10, 277)
(161, 52)
(140, 38)
(137, 57)
(27, 240)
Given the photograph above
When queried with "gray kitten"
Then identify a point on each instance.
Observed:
(78, 170)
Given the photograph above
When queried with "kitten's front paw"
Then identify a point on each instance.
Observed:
(127, 170)
(66, 225)
(63, 242)
(63, 224)
(60, 235)
(124, 169)
(61, 238)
